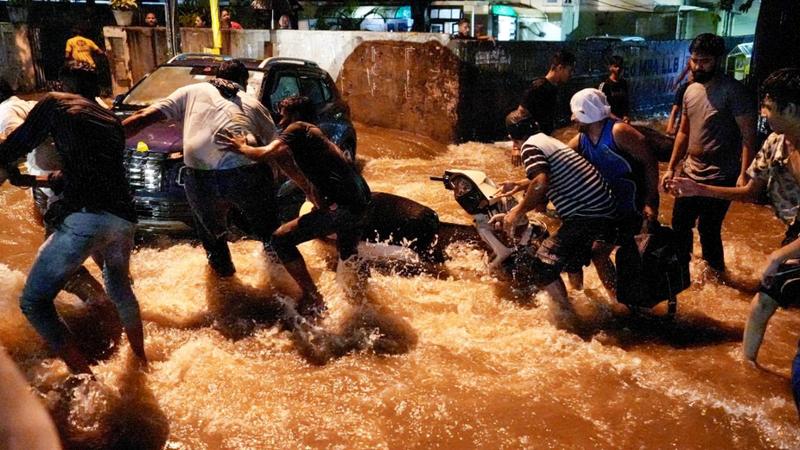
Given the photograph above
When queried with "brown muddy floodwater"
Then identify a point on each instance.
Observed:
(456, 361)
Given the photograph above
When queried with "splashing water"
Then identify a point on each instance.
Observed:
(425, 361)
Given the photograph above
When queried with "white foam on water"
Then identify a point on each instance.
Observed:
(452, 362)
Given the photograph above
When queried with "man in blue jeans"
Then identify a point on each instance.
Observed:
(94, 217)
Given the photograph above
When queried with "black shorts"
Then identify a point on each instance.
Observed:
(623, 230)
(571, 247)
(784, 287)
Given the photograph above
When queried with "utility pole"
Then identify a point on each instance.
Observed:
(216, 34)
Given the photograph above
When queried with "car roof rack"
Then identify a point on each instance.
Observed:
(195, 56)
(286, 59)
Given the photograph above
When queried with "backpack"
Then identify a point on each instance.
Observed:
(650, 271)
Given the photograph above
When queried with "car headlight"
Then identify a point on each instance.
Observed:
(152, 178)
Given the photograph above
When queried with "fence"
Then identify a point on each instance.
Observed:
(494, 77)
(476, 83)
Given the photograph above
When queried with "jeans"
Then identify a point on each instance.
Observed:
(82, 234)
(708, 213)
(245, 195)
(796, 380)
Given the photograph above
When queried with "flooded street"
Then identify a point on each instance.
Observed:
(437, 362)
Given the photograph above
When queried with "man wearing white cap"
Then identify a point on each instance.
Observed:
(619, 153)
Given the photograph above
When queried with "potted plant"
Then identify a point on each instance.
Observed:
(123, 11)
(18, 10)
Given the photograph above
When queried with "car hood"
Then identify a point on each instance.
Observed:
(162, 137)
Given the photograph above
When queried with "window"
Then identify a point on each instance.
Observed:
(165, 79)
(446, 13)
(287, 85)
(312, 88)
(327, 91)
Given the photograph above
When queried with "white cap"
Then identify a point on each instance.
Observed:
(589, 106)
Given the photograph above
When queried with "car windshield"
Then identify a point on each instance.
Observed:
(164, 80)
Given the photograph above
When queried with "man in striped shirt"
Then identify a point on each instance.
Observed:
(558, 174)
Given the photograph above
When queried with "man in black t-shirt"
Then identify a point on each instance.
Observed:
(340, 195)
(616, 89)
(540, 99)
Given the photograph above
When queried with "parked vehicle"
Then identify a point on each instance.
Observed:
(154, 157)
(615, 39)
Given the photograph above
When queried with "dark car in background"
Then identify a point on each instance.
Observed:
(154, 157)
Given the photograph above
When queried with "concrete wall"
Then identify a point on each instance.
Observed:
(135, 51)
(412, 74)
(330, 49)
(16, 57)
(404, 85)
(239, 43)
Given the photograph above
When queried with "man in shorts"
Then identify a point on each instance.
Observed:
(582, 198)
(620, 154)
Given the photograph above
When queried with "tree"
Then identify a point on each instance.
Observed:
(777, 39)
(419, 13)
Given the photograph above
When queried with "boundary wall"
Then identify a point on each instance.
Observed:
(449, 90)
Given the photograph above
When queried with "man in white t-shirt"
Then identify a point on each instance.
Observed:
(218, 183)
(13, 110)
